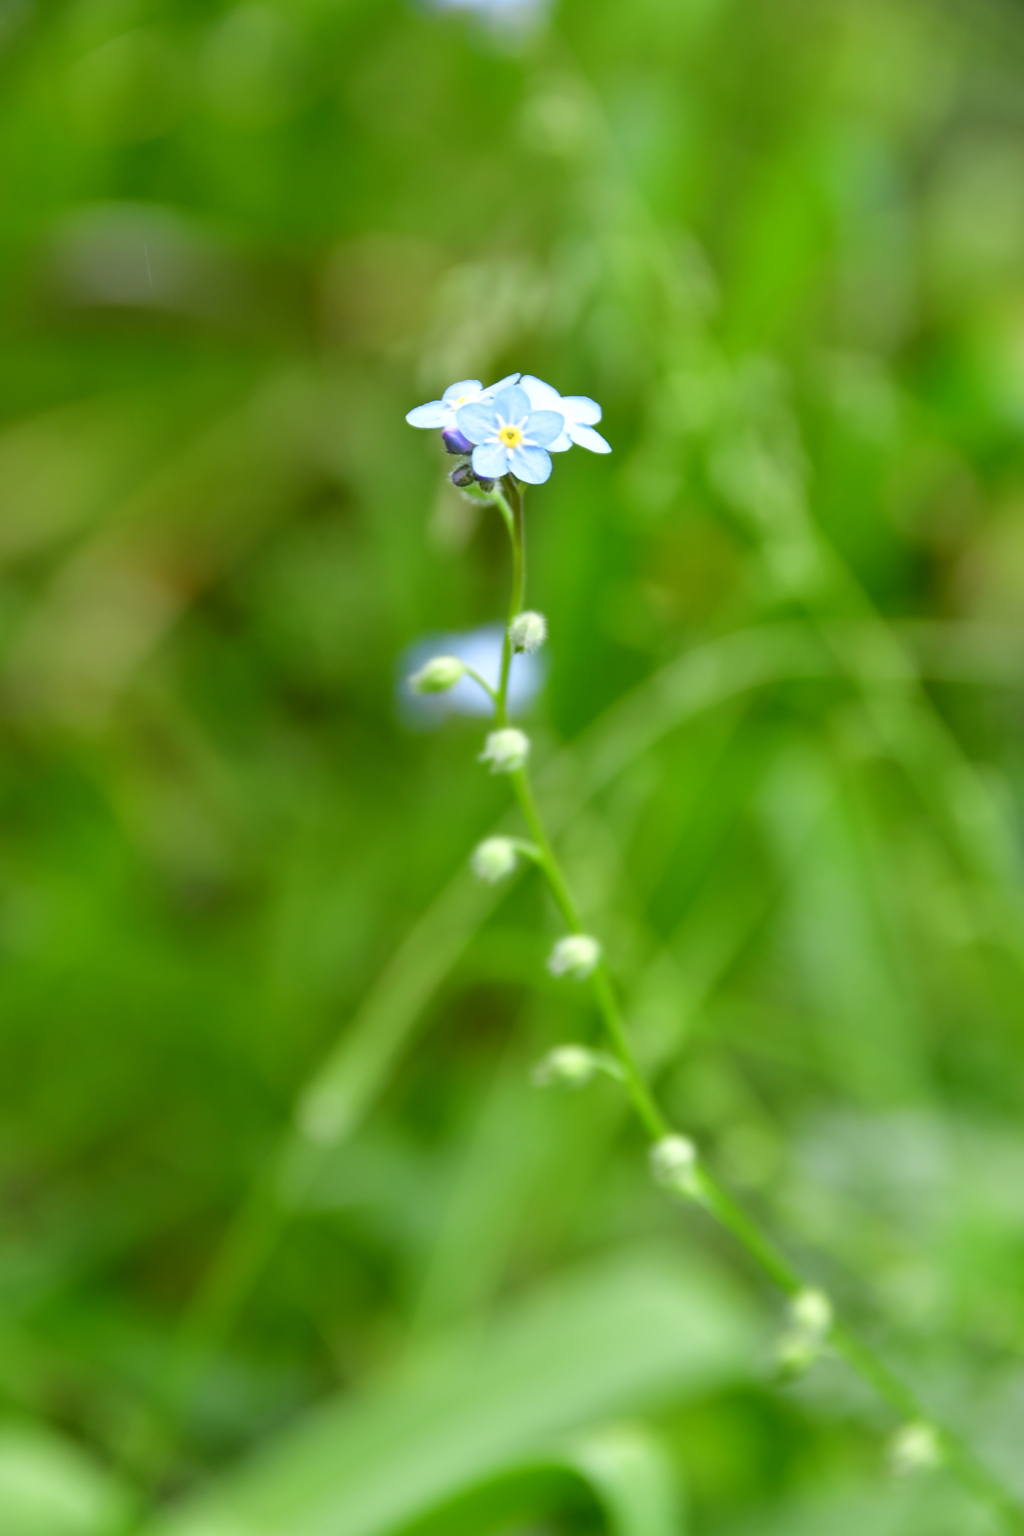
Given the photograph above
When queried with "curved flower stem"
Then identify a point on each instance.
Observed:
(484, 684)
(706, 1190)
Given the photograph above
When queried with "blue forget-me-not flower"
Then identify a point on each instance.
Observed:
(441, 413)
(511, 427)
(579, 412)
(510, 436)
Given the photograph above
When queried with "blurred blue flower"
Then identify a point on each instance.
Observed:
(500, 13)
(580, 413)
(479, 649)
(510, 436)
(441, 413)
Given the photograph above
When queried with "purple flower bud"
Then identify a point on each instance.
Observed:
(462, 475)
(454, 441)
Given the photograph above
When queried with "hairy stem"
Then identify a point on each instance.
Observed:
(718, 1203)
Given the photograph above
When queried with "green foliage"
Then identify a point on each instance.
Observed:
(290, 1243)
(466, 1410)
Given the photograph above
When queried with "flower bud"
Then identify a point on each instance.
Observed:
(567, 1066)
(528, 631)
(795, 1353)
(438, 675)
(493, 859)
(462, 476)
(506, 750)
(455, 442)
(810, 1318)
(673, 1162)
(576, 955)
(811, 1315)
(914, 1447)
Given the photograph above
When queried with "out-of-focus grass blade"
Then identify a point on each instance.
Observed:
(594, 1345)
(914, 1506)
(49, 1487)
(633, 1477)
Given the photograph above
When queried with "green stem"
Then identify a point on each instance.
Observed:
(484, 684)
(508, 498)
(710, 1194)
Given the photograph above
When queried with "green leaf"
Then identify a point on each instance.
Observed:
(633, 1477)
(49, 1487)
(621, 1336)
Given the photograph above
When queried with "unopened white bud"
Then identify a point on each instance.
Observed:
(567, 1066)
(811, 1315)
(811, 1318)
(796, 1353)
(576, 955)
(506, 750)
(674, 1164)
(528, 632)
(493, 859)
(438, 675)
(914, 1447)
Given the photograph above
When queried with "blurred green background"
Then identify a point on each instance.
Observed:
(290, 1245)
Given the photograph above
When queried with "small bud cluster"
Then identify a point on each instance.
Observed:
(810, 1323)
(506, 750)
(463, 476)
(438, 675)
(577, 955)
(673, 1162)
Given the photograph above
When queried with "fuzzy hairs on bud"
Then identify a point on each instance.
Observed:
(528, 632)
(506, 750)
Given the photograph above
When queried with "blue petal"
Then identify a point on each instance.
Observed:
(478, 421)
(512, 404)
(561, 444)
(542, 427)
(436, 414)
(530, 464)
(543, 397)
(463, 387)
(581, 409)
(494, 389)
(588, 438)
(491, 461)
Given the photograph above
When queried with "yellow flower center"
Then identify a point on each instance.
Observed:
(510, 437)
